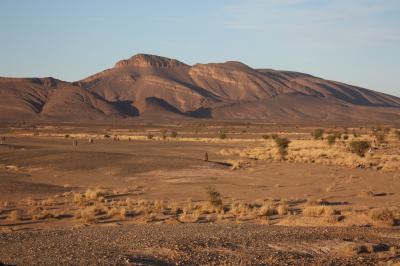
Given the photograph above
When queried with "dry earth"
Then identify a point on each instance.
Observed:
(132, 196)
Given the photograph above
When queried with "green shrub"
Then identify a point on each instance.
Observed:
(318, 133)
(282, 144)
(360, 147)
(331, 139)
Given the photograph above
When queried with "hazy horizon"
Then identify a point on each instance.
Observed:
(354, 42)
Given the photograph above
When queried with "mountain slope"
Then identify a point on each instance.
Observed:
(51, 99)
(154, 87)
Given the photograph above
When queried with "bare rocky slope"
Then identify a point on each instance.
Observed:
(154, 87)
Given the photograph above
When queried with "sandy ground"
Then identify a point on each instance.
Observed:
(200, 244)
(39, 167)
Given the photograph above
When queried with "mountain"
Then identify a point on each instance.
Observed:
(155, 87)
(51, 99)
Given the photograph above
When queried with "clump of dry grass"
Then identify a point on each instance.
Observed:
(191, 216)
(48, 202)
(15, 215)
(240, 209)
(318, 211)
(174, 207)
(282, 209)
(384, 216)
(42, 214)
(89, 214)
(94, 194)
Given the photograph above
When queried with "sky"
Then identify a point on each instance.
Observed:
(353, 41)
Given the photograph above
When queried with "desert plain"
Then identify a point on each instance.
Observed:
(199, 193)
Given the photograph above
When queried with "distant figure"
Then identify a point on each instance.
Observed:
(3, 140)
(206, 157)
(90, 140)
(75, 143)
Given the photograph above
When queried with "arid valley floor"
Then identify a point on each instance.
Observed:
(145, 194)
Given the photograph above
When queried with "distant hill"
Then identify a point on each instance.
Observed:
(153, 87)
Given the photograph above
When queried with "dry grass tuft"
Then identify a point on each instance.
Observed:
(14, 215)
(94, 194)
(384, 216)
(317, 211)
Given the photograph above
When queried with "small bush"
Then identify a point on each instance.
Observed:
(282, 144)
(360, 147)
(331, 139)
(318, 133)
(274, 136)
(174, 134)
(265, 136)
(164, 134)
(222, 135)
(383, 216)
(379, 136)
(150, 136)
(214, 197)
(316, 211)
(397, 133)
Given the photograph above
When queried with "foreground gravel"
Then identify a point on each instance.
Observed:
(193, 244)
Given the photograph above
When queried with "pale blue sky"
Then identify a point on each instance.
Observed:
(354, 41)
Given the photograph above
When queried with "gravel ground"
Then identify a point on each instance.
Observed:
(194, 244)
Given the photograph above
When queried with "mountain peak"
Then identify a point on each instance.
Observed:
(148, 60)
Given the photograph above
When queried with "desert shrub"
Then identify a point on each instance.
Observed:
(14, 215)
(214, 197)
(318, 133)
(164, 134)
(267, 209)
(383, 216)
(266, 136)
(222, 135)
(316, 211)
(150, 136)
(174, 134)
(359, 147)
(397, 134)
(282, 209)
(282, 144)
(380, 136)
(274, 136)
(331, 139)
(338, 135)
(94, 194)
(345, 137)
